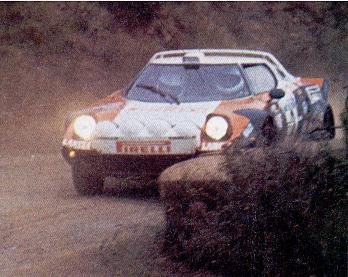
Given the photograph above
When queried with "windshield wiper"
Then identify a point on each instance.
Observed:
(159, 92)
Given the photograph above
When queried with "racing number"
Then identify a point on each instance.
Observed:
(289, 107)
(303, 108)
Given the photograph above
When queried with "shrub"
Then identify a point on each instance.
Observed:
(281, 214)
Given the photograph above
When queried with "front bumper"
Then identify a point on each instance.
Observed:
(149, 157)
(123, 165)
(137, 146)
(127, 157)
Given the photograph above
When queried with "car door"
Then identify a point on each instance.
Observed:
(288, 106)
(261, 81)
(290, 113)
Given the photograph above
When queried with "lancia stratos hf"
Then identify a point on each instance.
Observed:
(186, 103)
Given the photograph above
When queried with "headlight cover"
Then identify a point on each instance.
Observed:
(216, 127)
(84, 126)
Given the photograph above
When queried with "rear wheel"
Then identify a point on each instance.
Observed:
(86, 180)
(329, 124)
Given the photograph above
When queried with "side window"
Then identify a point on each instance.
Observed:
(260, 77)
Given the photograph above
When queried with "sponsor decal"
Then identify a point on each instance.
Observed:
(77, 144)
(279, 121)
(304, 107)
(314, 93)
(212, 146)
(143, 148)
(289, 108)
(248, 130)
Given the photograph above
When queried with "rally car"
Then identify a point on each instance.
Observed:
(187, 103)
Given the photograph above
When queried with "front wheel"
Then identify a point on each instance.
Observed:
(86, 180)
(269, 133)
(329, 124)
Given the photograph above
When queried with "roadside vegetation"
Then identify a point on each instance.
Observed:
(282, 213)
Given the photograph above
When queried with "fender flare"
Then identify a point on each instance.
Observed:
(256, 117)
(261, 120)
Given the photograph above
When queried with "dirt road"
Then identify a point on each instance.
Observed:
(47, 229)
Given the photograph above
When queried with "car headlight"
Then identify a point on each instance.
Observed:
(216, 127)
(84, 126)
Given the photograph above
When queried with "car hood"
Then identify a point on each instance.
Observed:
(136, 119)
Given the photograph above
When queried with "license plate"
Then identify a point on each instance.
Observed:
(143, 148)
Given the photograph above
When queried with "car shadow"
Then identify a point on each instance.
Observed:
(142, 190)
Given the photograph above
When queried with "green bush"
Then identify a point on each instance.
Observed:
(282, 214)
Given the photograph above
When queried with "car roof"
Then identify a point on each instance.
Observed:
(220, 56)
(209, 60)
(213, 56)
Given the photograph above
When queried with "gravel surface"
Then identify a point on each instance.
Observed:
(47, 229)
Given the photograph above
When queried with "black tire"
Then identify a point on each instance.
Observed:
(269, 133)
(329, 124)
(86, 180)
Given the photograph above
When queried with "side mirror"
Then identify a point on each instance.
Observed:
(277, 93)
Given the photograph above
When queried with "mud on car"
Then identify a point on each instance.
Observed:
(187, 103)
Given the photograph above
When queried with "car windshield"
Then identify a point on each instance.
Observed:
(182, 83)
